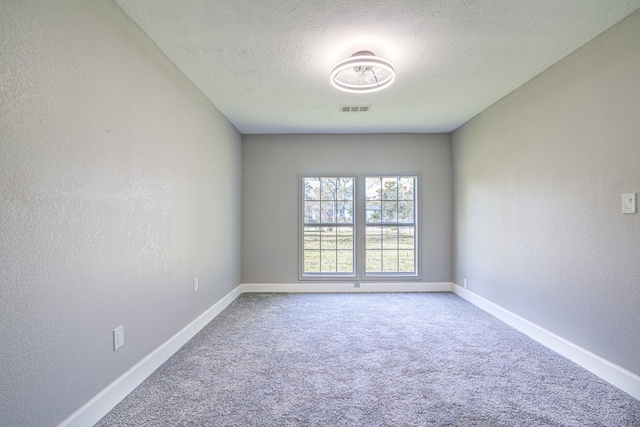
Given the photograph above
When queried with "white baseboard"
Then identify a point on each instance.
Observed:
(613, 374)
(96, 408)
(325, 287)
(91, 412)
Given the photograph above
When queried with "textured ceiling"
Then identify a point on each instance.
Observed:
(265, 63)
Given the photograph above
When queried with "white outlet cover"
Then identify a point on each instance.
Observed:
(196, 286)
(118, 337)
(629, 203)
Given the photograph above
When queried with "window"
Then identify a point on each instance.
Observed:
(328, 232)
(369, 233)
(390, 226)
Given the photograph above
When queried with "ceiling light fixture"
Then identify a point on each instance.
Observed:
(363, 72)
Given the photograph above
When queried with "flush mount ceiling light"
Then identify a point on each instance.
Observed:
(363, 72)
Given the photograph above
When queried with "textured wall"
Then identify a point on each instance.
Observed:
(273, 164)
(538, 184)
(119, 182)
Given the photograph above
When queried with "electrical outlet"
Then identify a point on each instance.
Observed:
(464, 281)
(195, 284)
(118, 337)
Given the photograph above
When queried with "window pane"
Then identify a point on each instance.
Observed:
(312, 188)
(374, 212)
(311, 238)
(337, 188)
(344, 212)
(406, 239)
(345, 189)
(345, 261)
(311, 212)
(327, 211)
(328, 262)
(389, 261)
(328, 200)
(373, 238)
(406, 261)
(390, 211)
(328, 188)
(405, 188)
(390, 238)
(311, 261)
(328, 238)
(405, 212)
(345, 238)
(389, 188)
(390, 250)
(373, 262)
(373, 187)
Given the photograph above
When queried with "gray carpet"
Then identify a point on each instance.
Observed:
(368, 360)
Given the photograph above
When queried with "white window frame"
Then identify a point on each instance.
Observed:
(326, 275)
(364, 225)
(359, 230)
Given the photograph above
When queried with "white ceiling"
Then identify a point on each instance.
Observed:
(265, 63)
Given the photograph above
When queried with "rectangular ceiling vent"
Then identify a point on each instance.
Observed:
(354, 108)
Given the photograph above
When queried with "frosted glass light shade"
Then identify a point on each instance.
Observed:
(363, 72)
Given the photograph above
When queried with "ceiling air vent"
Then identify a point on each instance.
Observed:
(354, 108)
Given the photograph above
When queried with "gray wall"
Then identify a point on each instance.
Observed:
(272, 165)
(538, 184)
(119, 182)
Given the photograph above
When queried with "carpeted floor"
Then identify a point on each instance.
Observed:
(419, 359)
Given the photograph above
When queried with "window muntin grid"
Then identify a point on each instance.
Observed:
(328, 226)
(390, 225)
(381, 242)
